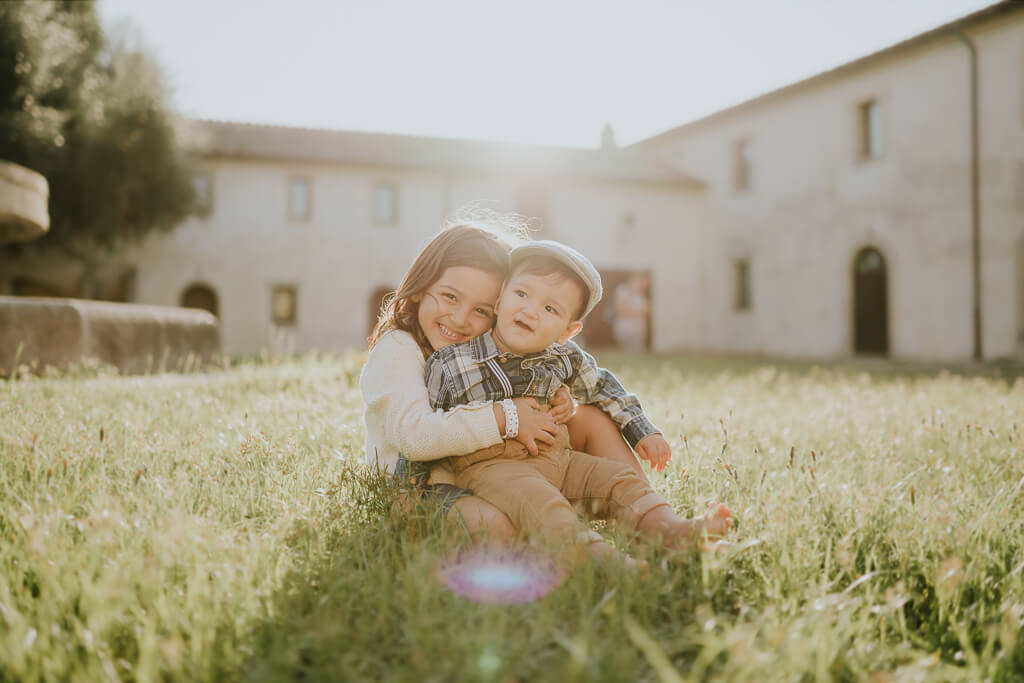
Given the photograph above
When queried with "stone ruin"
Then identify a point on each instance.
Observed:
(37, 332)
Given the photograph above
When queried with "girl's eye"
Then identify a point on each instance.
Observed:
(550, 309)
(484, 312)
(449, 296)
(520, 293)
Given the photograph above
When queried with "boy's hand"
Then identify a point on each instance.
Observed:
(562, 406)
(534, 425)
(654, 449)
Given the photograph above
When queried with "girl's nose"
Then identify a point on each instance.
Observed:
(460, 315)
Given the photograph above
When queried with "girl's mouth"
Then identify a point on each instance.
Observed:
(450, 334)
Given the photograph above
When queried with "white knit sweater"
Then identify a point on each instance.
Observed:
(398, 417)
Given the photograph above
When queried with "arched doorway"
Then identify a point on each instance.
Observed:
(200, 296)
(1020, 295)
(870, 302)
(373, 307)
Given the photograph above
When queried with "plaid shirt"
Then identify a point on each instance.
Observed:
(476, 371)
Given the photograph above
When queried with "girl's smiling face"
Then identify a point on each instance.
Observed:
(458, 306)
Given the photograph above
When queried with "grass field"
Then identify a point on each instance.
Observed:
(221, 526)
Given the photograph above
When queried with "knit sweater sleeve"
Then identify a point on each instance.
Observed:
(393, 388)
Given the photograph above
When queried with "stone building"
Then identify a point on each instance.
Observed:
(840, 209)
(306, 230)
(836, 215)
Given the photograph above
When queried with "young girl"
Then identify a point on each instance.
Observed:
(447, 296)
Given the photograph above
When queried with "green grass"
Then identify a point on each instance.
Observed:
(220, 526)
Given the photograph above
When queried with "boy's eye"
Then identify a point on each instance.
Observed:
(520, 293)
(551, 309)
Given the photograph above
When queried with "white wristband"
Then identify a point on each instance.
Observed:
(511, 419)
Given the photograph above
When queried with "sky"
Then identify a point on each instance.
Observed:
(550, 72)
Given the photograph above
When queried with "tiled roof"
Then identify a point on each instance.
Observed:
(257, 141)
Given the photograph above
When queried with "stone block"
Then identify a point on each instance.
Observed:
(24, 203)
(134, 338)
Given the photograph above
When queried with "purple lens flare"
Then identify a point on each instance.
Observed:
(503, 576)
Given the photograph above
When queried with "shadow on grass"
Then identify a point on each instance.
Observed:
(366, 604)
(372, 608)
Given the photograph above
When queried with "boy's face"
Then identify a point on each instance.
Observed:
(535, 311)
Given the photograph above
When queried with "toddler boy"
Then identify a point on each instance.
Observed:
(552, 287)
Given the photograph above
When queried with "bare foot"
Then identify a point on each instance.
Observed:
(685, 534)
(716, 521)
(717, 547)
(635, 567)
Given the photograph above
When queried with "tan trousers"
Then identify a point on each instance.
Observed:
(538, 492)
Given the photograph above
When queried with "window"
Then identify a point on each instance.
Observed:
(284, 304)
(202, 185)
(741, 165)
(300, 199)
(870, 130)
(741, 269)
(385, 204)
(126, 287)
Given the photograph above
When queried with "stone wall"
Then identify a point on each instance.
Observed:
(813, 201)
(134, 338)
(339, 258)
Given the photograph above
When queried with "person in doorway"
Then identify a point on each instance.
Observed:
(632, 307)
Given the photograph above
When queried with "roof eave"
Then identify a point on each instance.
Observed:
(564, 163)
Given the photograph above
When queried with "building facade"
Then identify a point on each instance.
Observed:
(874, 208)
(840, 209)
(305, 230)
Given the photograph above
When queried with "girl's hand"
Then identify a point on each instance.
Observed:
(654, 449)
(535, 425)
(562, 406)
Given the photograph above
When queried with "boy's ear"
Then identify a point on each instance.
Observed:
(416, 298)
(570, 332)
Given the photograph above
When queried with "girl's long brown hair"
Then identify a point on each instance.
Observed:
(458, 245)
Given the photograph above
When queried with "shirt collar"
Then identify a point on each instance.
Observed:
(483, 349)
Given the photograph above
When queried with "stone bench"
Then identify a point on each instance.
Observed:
(134, 338)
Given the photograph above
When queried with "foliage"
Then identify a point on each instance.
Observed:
(89, 115)
(220, 526)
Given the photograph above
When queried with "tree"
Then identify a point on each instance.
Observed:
(89, 114)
